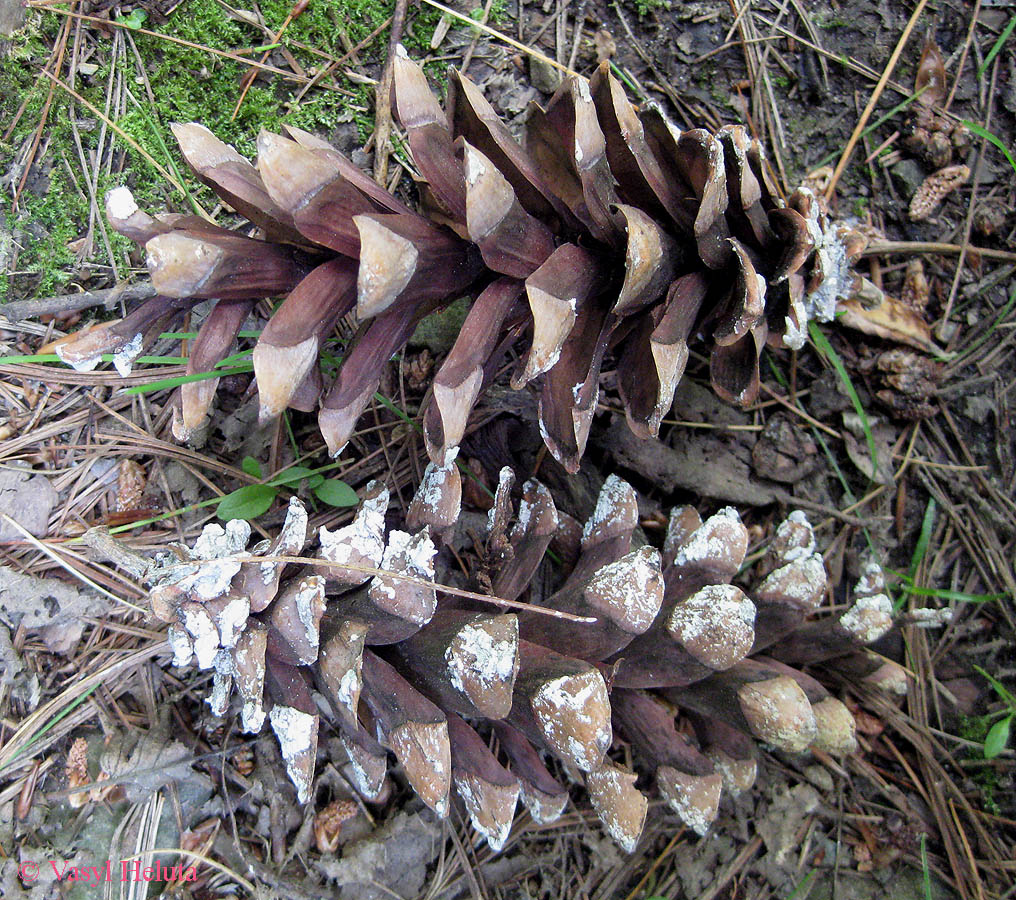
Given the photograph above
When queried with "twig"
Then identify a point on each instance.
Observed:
(19, 310)
(382, 99)
(877, 248)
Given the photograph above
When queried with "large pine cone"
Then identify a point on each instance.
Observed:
(611, 233)
(629, 638)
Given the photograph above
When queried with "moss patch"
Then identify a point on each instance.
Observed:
(178, 84)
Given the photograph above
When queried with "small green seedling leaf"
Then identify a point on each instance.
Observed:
(135, 20)
(336, 493)
(247, 502)
(998, 737)
(251, 466)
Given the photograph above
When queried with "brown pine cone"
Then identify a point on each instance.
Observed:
(630, 638)
(611, 237)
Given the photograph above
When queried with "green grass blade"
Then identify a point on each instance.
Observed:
(823, 346)
(66, 711)
(958, 596)
(924, 538)
(165, 383)
(993, 52)
(982, 132)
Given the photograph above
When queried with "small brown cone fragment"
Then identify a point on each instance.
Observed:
(212, 345)
(685, 777)
(458, 382)
(566, 282)
(935, 188)
(487, 789)
(415, 729)
(565, 701)
(76, 770)
(339, 665)
(438, 499)
(511, 241)
(226, 266)
(361, 543)
(930, 83)
(468, 661)
(620, 806)
(288, 347)
(295, 619)
(328, 824)
(716, 625)
(544, 796)
(235, 180)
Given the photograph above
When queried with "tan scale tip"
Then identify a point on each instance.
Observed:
(837, 730)
(573, 713)
(279, 372)
(180, 264)
(619, 804)
(778, 713)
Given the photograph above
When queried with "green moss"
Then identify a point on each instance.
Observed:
(644, 7)
(181, 84)
(975, 729)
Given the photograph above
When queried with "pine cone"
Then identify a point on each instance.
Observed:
(631, 637)
(611, 235)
